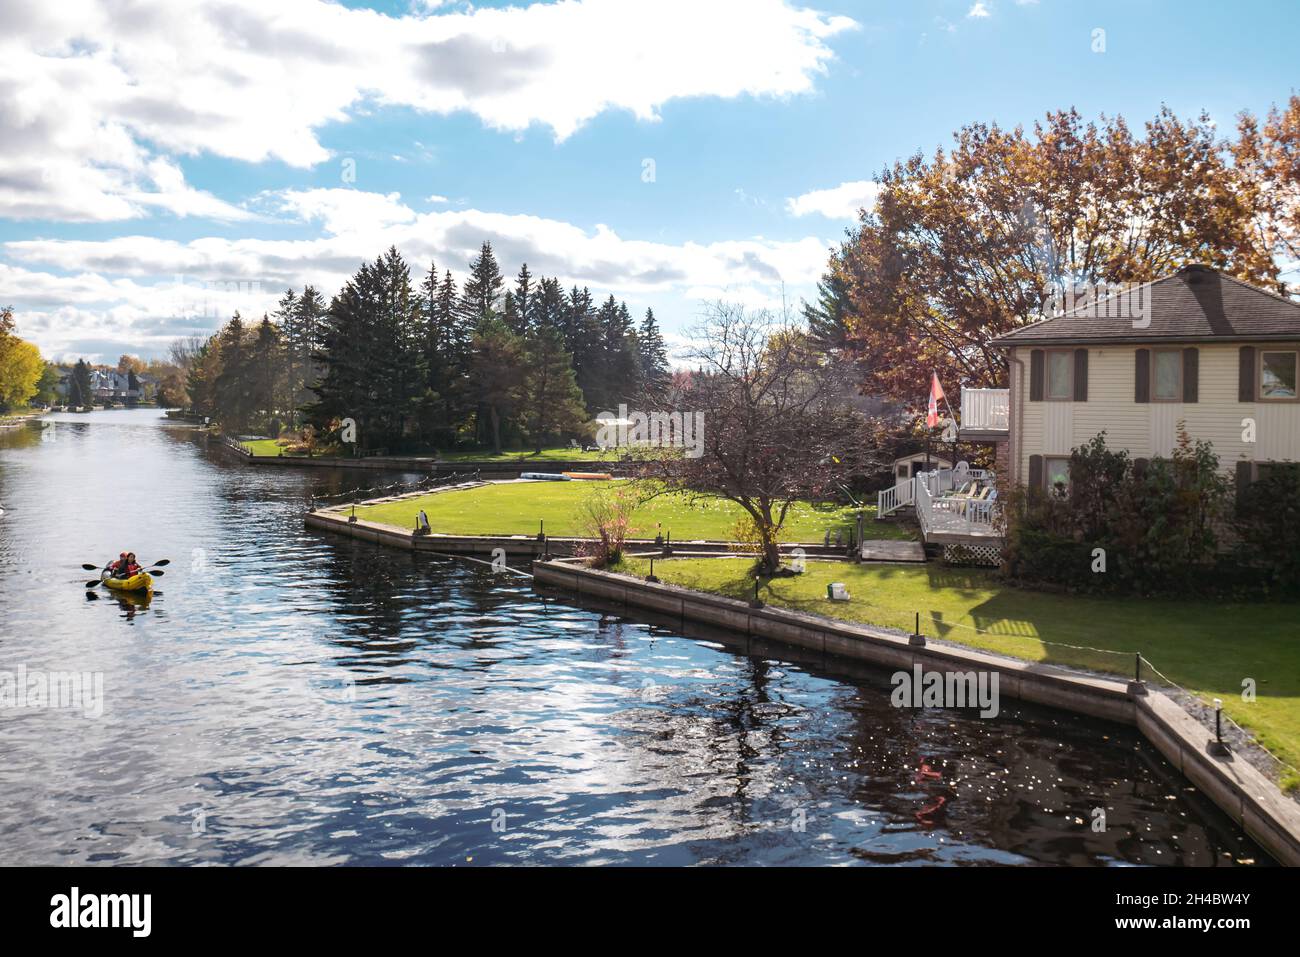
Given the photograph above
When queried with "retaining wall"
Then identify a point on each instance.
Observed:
(1248, 797)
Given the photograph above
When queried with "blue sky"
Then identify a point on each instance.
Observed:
(168, 167)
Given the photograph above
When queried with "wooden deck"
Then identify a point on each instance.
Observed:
(892, 550)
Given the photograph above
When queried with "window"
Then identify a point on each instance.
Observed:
(1056, 472)
(1060, 375)
(1168, 375)
(1277, 375)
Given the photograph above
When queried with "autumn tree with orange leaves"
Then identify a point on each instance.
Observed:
(971, 242)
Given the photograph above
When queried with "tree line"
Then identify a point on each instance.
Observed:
(431, 364)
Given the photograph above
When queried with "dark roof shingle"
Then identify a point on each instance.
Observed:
(1195, 304)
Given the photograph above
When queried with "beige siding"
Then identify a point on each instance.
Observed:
(1150, 429)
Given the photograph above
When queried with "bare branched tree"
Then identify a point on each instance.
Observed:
(779, 420)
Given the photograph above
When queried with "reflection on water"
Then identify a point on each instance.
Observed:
(288, 697)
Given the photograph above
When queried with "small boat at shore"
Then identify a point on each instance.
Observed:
(545, 476)
(589, 476)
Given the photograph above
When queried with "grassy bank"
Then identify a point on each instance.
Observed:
(1206, 647)
(514, 508)
(263, 447)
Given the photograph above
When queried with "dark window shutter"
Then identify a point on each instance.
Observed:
(1080, 375)
(1036, 375)
(1036, 471)
(1191, 374)
(1142, 376)
(1245, 470)
(1246, 374)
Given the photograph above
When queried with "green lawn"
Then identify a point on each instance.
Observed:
(559, 454)
(269, 447)
(1206, 647)
(514, 508)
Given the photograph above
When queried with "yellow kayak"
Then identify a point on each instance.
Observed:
(138, 582)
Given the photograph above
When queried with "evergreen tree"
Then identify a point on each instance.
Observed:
(80, 392)
(523, 295)
(497, 369)
(551, 400)
(827, 318)
(618, 367)
(309, 326)
(232, 387)
(481, 296)
(266, 373)
(343, 389)
(583, 341)
(655, 373)
(287, 319)
(547, 307)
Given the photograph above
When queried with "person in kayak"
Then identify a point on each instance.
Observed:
(132, 566)
(118, 569)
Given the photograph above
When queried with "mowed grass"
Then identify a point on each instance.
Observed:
(1209, 648)
(270, 447)
(558, 454)
(515, 508)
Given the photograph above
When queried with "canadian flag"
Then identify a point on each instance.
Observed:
(936, 395)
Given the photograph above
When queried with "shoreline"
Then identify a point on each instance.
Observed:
(1243, 792)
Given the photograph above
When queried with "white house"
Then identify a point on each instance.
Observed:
(1205, 352)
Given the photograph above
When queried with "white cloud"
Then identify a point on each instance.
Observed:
(164, 287)
(978, 11)
(98, 99)
(838, 202)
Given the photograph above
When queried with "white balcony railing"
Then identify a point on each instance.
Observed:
(938, 512)
(986, 410)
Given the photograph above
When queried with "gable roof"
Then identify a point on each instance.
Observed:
(1194, 304)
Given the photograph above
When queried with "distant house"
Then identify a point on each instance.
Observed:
(112, 386)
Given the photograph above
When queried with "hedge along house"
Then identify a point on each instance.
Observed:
(1198, 347)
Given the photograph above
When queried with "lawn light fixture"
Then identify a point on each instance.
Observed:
(1217, 747)
(757, 602)
(651, 577)
(541, 529)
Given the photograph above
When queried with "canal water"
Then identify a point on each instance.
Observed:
(287, 697)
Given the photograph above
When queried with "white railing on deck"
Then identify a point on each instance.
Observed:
(937, 481)
(986, 410)
(936, 512)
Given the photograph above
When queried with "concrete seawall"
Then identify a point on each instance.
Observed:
(1248, 797)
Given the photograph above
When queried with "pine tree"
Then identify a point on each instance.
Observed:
(80, 392)
(232, 387)
(548, 307)
(481, 296)
(497, 369)
(827, 318)
(551, 400)
(617, 374)
(655, 373)
(523, 301)
(583, 340)
(266, 374)
(309, 327)
(287, 321)
(342, 391)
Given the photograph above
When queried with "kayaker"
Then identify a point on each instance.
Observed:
(119, 567)
(132, 566)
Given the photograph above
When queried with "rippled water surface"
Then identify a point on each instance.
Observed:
(288, 697)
